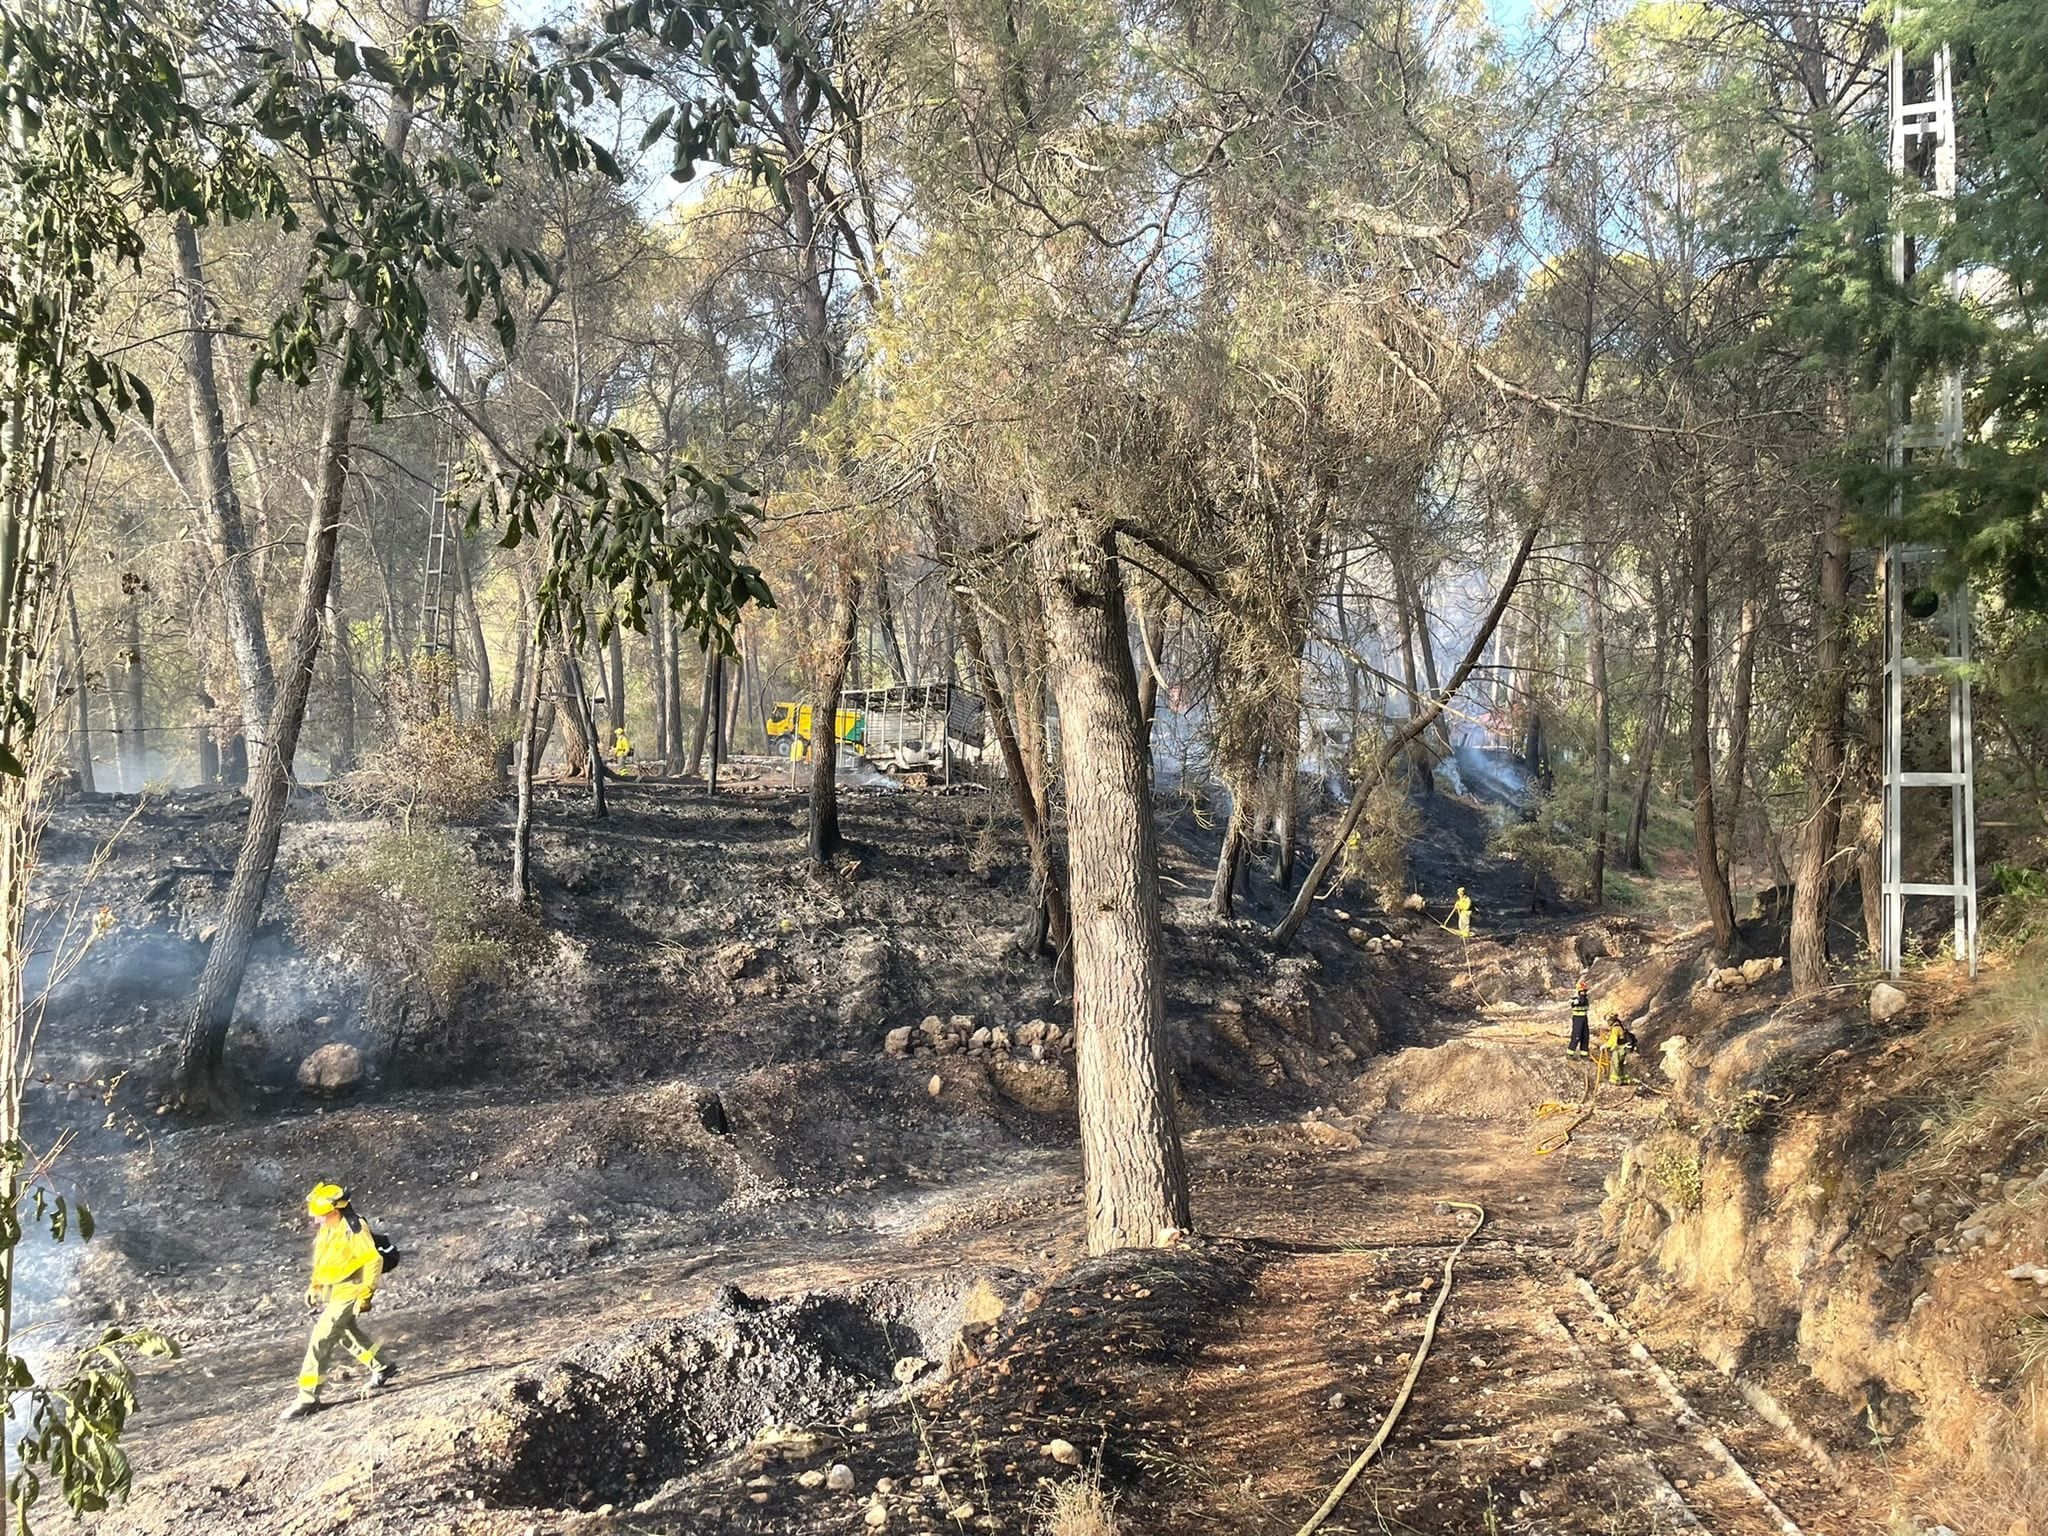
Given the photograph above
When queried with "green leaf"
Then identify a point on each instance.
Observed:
(658, 127)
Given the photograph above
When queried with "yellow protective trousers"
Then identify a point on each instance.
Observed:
(337, 1326)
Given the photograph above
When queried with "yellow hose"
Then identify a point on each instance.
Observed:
(1379, 1439)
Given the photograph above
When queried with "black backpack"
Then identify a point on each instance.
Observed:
(387, 1250)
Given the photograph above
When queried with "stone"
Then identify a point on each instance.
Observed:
(1415, 903)
(1063, 1452)
(812, 1479)
(335, 1068)
(1335, 1137)
(960, 1513)
(910, 1367)
(978, 1041)
(2035, 1272)
(839, 1478)
(1038, 1086)
(1887, 1002)
(1728, 978)
(999, 1038)
(1754, 971)
(962, 1024)
(877, 1516)
(1913, 1223)
(936, 1086)
(1673, 1051)
(1032, 1032)
(885, 1485)
(1335, 1400)
(897, 1041)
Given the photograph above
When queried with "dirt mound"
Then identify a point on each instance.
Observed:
(1473, 1081)
(619, 1421)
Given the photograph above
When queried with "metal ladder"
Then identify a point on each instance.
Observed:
(1923, 145)
(437, 612)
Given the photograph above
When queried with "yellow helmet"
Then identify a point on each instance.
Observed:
(325, 1199)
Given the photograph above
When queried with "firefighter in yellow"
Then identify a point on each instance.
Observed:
(346, 1268)
(1616, 1041)
(622, 749)
(1461, 914)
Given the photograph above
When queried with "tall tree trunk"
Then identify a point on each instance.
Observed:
(885, 618)
(1656, 713)
(1305, 898)
(134, 698)
(674, 684)
(1738, 734)
(82, 695)
(616, 693)
(657, 670)
(576, 700)
(1134, 1174)
(342, 757)
(526, 758)
(1603, 729)
(1229, 858)
(1285, 817)
(704, 718)
(220, 506)
(1048, 931)
(474, 622)
(1420, 765)
(1699, 729)
(717, 712)
(824, 820)
(1813, 877)
(199, 1070)
(1151, 635)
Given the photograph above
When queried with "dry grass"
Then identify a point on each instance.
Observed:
(1078, 1507)
(1986, 1068)
(1992, 1065)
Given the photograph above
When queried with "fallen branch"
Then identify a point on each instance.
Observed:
(1283, 933)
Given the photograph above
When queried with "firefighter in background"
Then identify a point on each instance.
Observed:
(1611, 1059)
(346, 1269)
(1461, 914)
(622, 749)
(1582, 1015)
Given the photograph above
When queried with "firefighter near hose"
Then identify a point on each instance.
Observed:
(347, 1264)
(1610, 1057)
(1582, 1016)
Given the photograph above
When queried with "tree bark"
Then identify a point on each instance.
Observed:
(657, 670)
(221, 507)
(1813, 878)
(704, 718)
(1656, 713)
(824, 817)
(199, 1075)
(134, 698)
(1229, 859)
(885, 619)
(1738, 735)
(1699, 729)
(526, 758)
(615, 701)
(1603, 729)
(342, 665)
(576, 699)
(474, 622)
(81, 695)
(1049, 929)
(1134, 1173)
(1305, 898)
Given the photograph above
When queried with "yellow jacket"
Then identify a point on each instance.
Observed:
(346, 1264)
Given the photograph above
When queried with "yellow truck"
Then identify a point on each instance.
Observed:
(789, 728)
(910, 728)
